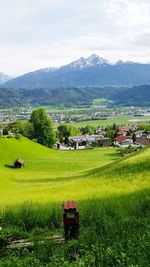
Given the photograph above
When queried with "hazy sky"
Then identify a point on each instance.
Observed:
(42, 33)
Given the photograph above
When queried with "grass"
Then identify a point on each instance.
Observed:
(119, 120)
(99, 101)
(113, 196)
(49, 175)
(53, 176)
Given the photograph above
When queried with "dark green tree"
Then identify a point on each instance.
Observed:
(14, 127)
(111, 134)
(88, 130)
(62, 132)
(134, 137)
(42, 128)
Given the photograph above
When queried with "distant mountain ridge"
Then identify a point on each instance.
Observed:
(91, 71)
(124, 96)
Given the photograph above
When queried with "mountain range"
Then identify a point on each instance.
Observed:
(72, 97)
(85, 72)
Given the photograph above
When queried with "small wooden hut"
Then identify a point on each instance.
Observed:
(19, 163)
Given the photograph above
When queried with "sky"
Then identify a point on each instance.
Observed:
(36, 34)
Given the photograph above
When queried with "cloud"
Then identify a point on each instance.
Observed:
(43, 33)
(127, 13)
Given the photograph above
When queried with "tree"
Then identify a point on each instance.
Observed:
(111, 134)
(64, 131)
(42, 128)
(15, 127)
(88, 130)
(134, 137)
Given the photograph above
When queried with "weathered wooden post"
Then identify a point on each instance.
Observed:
(70, 220)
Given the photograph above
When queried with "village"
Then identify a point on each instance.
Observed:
(71, 136)
(75, 115)
(126, 136)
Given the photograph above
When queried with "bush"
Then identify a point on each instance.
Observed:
(18, 136)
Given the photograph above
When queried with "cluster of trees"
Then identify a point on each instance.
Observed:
(145, 127)
(111, 131)
(127, 150)
(38, 128)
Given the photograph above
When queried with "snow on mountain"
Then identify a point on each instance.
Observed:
(121, 62)
(95, 60)
(90, 71)
(91, 61)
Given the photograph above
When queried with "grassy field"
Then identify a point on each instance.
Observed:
(119, 119)
(113, 195)
(49, 175)
(99, 101)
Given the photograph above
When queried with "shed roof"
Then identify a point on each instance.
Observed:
(21, 161)
(69, 205)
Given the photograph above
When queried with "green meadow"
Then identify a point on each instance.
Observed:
(113, 196)
(53, 176)
(49, 175)
(118, 119)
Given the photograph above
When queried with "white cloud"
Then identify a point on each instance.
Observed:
(36, 34)
(127, 13)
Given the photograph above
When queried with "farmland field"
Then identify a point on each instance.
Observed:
(118, 119)
(113, 195)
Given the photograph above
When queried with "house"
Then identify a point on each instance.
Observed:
(84, 142)
(121, 133)
(142, 142)
(63, 146)
(139, 133)
(123, 141)
(19, 163)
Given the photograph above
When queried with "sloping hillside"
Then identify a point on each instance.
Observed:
(113, 199)
(46, 171)
(51, 175)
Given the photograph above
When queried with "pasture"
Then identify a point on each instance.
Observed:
(113, 195)
(53, 176)
(118, 119)
(49, 175)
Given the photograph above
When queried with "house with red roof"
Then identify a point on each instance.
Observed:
(123, 141)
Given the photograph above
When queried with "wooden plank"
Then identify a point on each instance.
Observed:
(25, 243)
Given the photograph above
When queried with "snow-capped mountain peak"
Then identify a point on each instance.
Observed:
(92, 60)
(79, 63)
(96, 60)
(120, 62)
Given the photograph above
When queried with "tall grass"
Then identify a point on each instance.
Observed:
(113, 232)
(113, 199)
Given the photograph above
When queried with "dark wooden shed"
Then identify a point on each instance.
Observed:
(19, 163)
